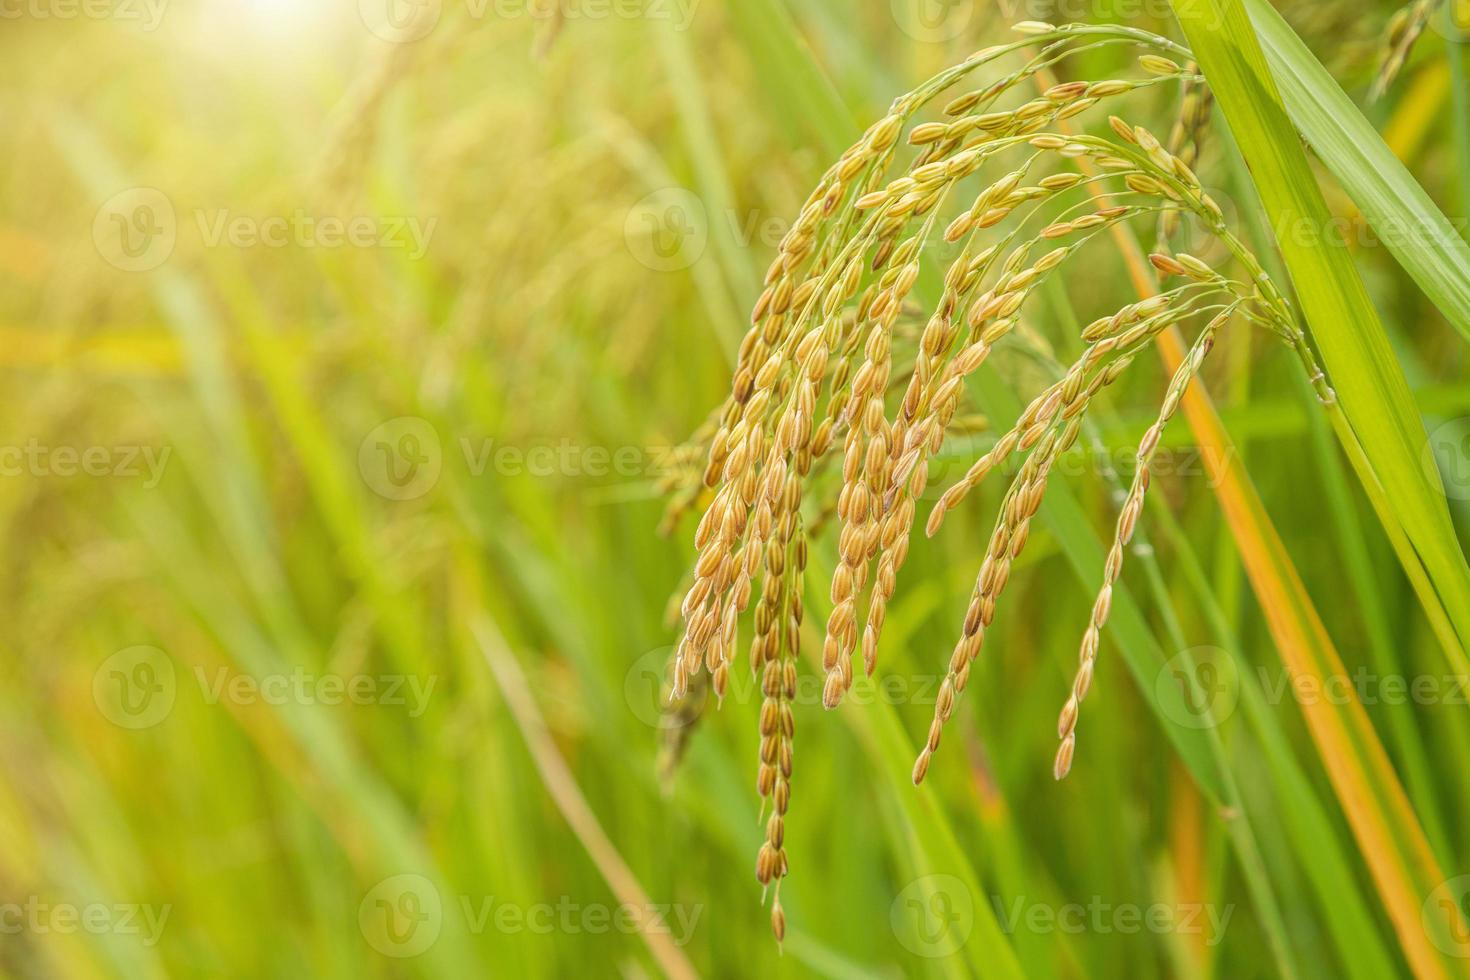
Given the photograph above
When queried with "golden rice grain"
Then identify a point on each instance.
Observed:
(841, 377)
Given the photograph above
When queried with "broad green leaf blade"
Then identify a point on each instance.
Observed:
(1419, 236)
(1376, 403)
(1408, 223)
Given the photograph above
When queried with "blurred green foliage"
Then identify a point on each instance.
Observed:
(341, 378)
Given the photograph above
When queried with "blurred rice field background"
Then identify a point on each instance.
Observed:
(348, 351)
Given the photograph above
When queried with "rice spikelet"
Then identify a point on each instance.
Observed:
(845, 388)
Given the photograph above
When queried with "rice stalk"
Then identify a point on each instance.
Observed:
(816, 371)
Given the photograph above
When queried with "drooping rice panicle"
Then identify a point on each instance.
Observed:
(846, 383)
(1132, 508)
